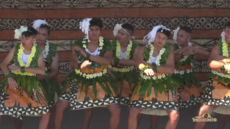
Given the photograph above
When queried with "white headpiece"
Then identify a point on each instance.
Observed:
(175, 32)
(38, 23)
(152, 34)
(117, 28)
(84, 26)
(18, 32)
(223, 36)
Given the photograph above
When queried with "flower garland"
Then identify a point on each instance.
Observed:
(101, 44)
(90, 76)
(46, 50)
(159, 56)
(129, 48)
(221, 74)
(181, 72)
(225, 49)
(20, 52)
(126, 69)
(153, 77)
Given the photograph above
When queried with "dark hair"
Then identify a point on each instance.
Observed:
(30, 32)
(128, 27)
(186, 29)
(96, 22)
(46, 27)
(227, 24)
(166, 32)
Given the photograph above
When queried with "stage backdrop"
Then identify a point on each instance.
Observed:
(205, 17)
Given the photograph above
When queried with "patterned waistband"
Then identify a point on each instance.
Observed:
(90, 76)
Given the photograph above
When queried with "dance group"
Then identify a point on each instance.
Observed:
(154, 78)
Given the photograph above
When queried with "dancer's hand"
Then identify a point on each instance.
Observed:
(12, 83)
(14, 68)
(149, 72)
(85, 64)
(196, 48)
(227, 66)
(226, 60)
(189, 51)
(81, 50)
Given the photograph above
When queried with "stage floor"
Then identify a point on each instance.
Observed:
(100, 120)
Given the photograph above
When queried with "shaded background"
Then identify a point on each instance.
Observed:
(205, 17)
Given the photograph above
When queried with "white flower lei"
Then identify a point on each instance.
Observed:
(158, 57)
(46, 50)
(101, 44)
(30, 58)
(127, 54)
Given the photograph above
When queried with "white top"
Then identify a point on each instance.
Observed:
(25, 58)
(122, 54)
(153, 60)
(94, 53)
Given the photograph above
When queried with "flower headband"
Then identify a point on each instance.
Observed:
(38, 23)
(152, 34)
(84, 26)
(117, 28)
(18, 32)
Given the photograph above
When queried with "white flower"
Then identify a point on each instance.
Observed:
(175, 33)
(18, 32)
(84, 26)
(38, 23)
(223, 36)
(116, 29)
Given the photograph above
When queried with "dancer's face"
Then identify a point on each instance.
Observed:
(123, 36)
(182, 37)
(42, 36)
(227, 34)
(28, 41)
(94, 32)
(160, 39)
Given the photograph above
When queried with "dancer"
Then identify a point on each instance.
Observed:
(90, 85)
(155, 90)
(21, 94)
(217, 90)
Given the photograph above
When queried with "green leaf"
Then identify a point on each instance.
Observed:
(144, 87)
(220, 79)
(29, 89)
(87, 87)
(160, 87)
(155, 89)
(187, 80)
(169, 85)
(83, 83)
(129, 79)
(149, 89)
(94, 88)
(103, 87)
(35, 84)
(137, 87)
(23, 82)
